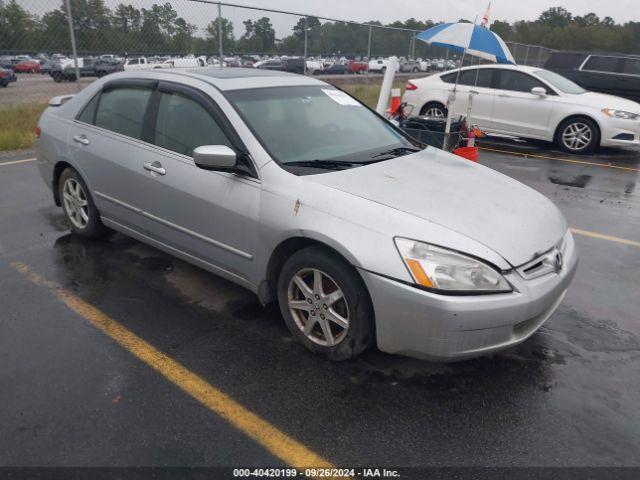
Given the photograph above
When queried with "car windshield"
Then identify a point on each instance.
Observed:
(319, 124)
(561, 83)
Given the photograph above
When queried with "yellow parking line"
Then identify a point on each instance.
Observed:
(274, 440)
(14, 162)
(602, 236)
(568, 160)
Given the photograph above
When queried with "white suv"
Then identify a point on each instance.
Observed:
(531, 103)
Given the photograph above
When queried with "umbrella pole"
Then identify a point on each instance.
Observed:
(452, 97)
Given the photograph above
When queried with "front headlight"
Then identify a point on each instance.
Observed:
(611, 112)
(442, 269)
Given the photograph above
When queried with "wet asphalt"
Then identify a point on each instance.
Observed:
(69, 395)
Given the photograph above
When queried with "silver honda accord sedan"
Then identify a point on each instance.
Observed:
(295, 190)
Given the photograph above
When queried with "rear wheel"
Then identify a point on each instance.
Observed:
(325, 304)
(434, 109)
(78, 206)
(578, 135)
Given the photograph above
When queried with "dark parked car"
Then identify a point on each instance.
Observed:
(271, 65)
(88, 68)
(7, 76)
(293, 65)
(612, 73)
(334, 69)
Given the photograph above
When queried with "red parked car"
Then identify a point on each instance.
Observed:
(354, 66)
(28, 66)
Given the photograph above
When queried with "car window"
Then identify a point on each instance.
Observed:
(479, 77)
(183, 124)
(134, 61)
(89, 112)
(562, 60)
(122, 110)
(631, 66)
(601, 64)
(517, 81)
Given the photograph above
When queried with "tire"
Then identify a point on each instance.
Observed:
(355, 331)
(89, 227)
(434, 109)
(57, 77)
(415, 70)
(578, 135)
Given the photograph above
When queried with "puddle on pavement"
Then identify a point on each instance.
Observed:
(579, 181)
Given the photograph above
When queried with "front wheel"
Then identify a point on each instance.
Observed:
(434, 109)
(325, 304)
(78, 206)
(578, 135)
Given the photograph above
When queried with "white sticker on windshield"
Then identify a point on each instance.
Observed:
(340, 97)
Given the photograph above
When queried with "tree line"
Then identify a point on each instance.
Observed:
(159, 29)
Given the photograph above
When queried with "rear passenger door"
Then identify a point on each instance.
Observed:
(209, 215)
(106, 146)
(478, 80)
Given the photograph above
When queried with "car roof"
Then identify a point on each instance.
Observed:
(605, 54)
(230, 78)
(521, 68)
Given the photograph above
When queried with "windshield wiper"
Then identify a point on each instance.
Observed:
(396, 152)
(326, 164)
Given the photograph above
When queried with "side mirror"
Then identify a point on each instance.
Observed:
(540, 91)
(215, 157)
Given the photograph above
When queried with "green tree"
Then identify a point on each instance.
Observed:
(212, 35)
(16, 27)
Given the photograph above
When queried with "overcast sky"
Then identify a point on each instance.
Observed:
(384, 10)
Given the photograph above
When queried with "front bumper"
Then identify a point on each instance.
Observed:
(620, 132)
(426, 325)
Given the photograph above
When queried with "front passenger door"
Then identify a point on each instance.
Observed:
(516, 110)
(210, 215)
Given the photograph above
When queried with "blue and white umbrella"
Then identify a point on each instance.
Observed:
(468, 38)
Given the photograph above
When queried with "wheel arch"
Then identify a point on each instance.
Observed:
(267, 290)
(59, 167)
(432, 102)
(556, 130)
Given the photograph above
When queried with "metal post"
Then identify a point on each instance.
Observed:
(526, 55)
(304, 61)
(219, 31)
(72, 35)
(366, 78)
(540, 57)
(515, 52)
(410, 45)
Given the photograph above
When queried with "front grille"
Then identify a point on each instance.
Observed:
(543, 264)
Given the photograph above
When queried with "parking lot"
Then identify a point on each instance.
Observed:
(116, 354)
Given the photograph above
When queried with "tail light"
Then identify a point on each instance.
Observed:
(411, 86)
(38, 132)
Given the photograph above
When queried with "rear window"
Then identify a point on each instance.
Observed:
(600, 63)
(631, 66)
(565, 60)
(478, 77)
(122, 110)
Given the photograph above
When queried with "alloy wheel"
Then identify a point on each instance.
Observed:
(318, 306)
(434, 112)
(577, 136)
(75, 202)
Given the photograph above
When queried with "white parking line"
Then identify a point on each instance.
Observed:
(14, 162)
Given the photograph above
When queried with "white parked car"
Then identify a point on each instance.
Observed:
(532, 103)
(380, 65)
(137, 63)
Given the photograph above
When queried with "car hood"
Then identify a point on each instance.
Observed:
(506, 216)
(602, 100)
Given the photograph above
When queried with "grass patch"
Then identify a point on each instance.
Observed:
(368, 94)
(18, 124)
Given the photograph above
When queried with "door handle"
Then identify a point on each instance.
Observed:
(155, 167)
(81, 139)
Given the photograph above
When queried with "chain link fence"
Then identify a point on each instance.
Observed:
(46, 31)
